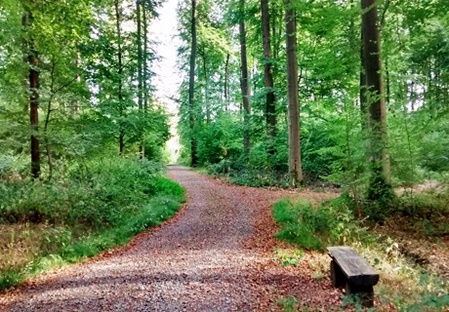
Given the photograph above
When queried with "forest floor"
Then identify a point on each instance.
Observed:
(422, 239)
(218, 254)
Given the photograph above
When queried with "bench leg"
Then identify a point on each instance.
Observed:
(366, 293)
(337, 276)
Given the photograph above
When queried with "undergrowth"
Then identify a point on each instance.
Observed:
(88, 209)
(405, 285)
(242, 175)
(313, 228)
(424, 214)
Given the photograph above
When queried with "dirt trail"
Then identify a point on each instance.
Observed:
(216, 255)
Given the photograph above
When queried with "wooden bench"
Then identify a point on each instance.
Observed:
(352, 271)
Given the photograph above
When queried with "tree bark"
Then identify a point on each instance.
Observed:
(226, 82)
(140, 73)
(145, 60)
(120, 73)
(206, 85)
(294, 159)
(192, 115)
(363, 89)
(33, 78)
(270, 107)
(375, 90)
(244, 82)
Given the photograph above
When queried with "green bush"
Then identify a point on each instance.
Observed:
(90, 208)
(303, 224)
(312, 227)
(98, 194)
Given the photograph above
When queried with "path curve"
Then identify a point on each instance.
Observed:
(216, 255)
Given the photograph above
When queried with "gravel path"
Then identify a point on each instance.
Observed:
(216, 255)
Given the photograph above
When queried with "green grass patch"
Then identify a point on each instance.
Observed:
(315, 228)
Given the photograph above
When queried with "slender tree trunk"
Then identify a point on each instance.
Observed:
(75, 103)
(363, 90)
(192, 117)
(376, 100)
(206, 85)
(387, 77)
(47, 119)
(120, 73)
(33, 77)
(270, 107)
(276, 31)
(140, 70)
(244, 82)
(145, 60)
(226, 82)
(294, 159)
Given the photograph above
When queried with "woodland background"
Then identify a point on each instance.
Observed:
(82, 135)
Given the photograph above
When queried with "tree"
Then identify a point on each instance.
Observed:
(270, 107)
(193, 141)
(118, 19)
(244, 83)
(33, 63)
(140, 69)
(377, 121)
(294, 148)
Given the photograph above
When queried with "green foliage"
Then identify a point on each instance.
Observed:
(335, 142)
(425, 214)
(289, 304)
(435, 298)
(302, 223)
(290, 258)
(9, 278)
(331, 223)
(434, 156)
(90, 208)
(381, 199)
(96, 194)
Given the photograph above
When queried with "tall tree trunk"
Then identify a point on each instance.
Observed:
(276, 17)
(120, 73)
(145, 60)
(140, 70)
(376, 100)
(270, 107)
(363, 89)
(244, 81)
(387, 77)
(294, 148)
(33, 78)
(192, 117)
(226, 82)
(206, 85)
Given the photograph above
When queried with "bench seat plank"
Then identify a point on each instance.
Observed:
(356, 269)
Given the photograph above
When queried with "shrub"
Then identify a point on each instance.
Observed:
(303, 224)
(312, 227)
(87, 209)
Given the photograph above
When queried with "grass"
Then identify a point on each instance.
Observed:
(160, 209)
(289, 257)
(288, 304)
(113, 205)
(315, 228)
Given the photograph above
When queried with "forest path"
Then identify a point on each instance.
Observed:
(216, 255)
